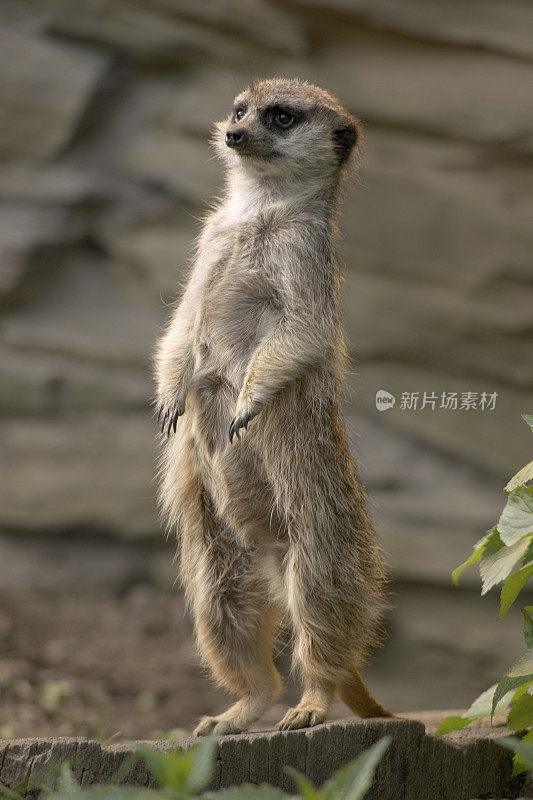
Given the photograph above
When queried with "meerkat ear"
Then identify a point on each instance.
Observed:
(344, 138)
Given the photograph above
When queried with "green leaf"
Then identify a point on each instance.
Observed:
(524, 665)
(7, 793)
(474, 558)
(496, 567)
(523, 750)
(126, 767)
(66, 782)
(482, 705)
(104, 792)
(520, 764)
(519, 674)
(480, 708)
(529, 419)
(249, 791)
(512, 588)
(521, 714)
(450, 724)
(354, 780)
(522, 476)
(490, 542)
(517, 694)
(203, 765)
(528, 555)
(170, 768)
(516, 520)
(528, 625)
(508, 684)
(303, 784)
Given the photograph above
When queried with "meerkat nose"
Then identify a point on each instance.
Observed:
(235, 137)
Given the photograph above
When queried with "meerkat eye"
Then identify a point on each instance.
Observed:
(238, 113)
(284, 119)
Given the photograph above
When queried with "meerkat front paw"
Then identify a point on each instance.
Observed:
(242, 418)
(237, 424)
(169, 413)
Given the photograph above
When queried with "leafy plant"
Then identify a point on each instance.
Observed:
(505, 555)
(351, 782)
(187, 773)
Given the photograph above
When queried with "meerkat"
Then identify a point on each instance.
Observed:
(256, 475)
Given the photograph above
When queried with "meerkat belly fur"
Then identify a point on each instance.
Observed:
(256, 475)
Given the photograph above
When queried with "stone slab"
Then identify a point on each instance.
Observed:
(46, 87)
(417, 765)
(480, 24)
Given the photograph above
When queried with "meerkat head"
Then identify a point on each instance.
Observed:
(288, 128)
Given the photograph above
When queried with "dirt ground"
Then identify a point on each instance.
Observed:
(102, 666)
(97, 666)
(106, 664)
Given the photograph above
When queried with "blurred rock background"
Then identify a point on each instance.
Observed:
(105, 113)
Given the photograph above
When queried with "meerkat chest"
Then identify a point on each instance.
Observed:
(243, 280)
(240, 303)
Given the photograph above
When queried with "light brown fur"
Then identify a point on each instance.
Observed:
(272, 526)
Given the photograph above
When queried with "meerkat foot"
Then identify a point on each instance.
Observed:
(238, 717)
(302, 718)
(217, 726)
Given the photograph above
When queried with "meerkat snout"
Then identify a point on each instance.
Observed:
(235, 137)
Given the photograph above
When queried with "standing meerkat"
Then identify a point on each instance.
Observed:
(257, 477)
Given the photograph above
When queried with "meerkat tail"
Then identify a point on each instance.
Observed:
(359, 700)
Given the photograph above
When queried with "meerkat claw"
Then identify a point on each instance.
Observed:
(296, 718)
(169, 420)
(172, 421)
(237, 424)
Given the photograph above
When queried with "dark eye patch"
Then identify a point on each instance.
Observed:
(280, 118)
(344, 138)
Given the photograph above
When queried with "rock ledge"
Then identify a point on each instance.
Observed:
(417, 765)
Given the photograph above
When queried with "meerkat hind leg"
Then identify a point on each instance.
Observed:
(248, 672)
(235, 626)
(259, 683)
(239, 655)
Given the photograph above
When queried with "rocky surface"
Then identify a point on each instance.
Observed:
(106, 169)
(106, 112)
(415, 765)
